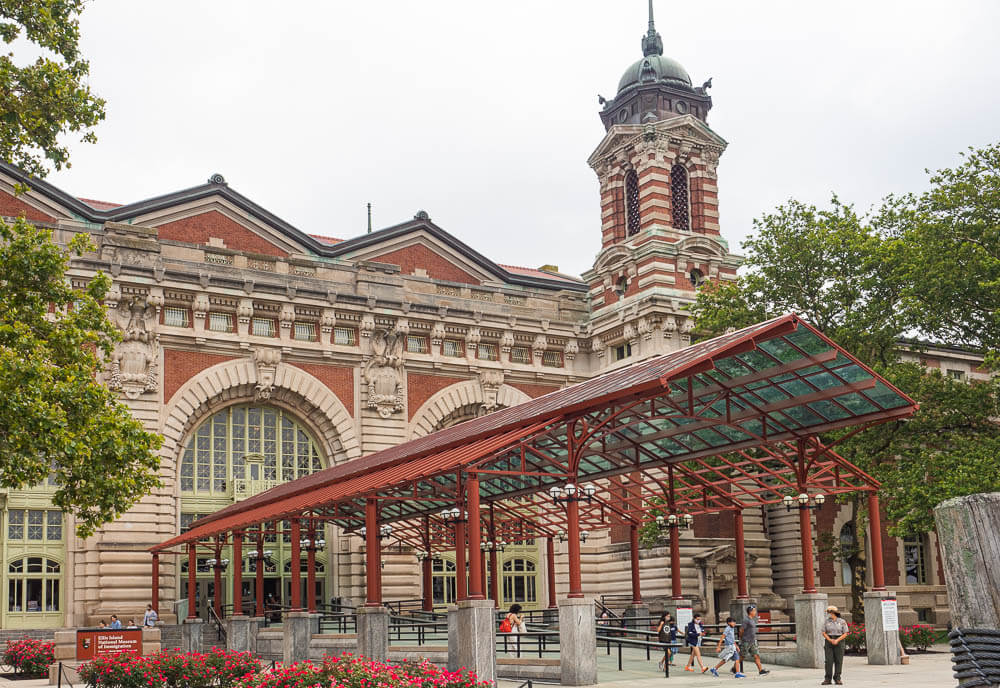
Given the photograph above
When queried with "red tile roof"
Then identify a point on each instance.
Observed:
(100, 205)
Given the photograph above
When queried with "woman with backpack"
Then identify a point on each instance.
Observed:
(694, 632)
(666, 633)
(513, 622)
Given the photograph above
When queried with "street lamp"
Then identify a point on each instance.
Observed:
(675, 521)
(572, 493)
(314, 545)
(454, 515)
(803, 501)
(221, 564)
(563, 537)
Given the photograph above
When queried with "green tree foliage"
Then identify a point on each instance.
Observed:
(56, 419)
(922, 265)
(49, 97)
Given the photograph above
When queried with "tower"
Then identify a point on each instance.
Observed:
(660, 235)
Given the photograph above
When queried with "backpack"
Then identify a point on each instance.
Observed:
(505, 626)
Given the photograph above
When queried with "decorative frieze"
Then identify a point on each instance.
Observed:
(134, 362)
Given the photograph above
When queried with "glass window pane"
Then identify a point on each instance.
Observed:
(15, 590)
(52, 595)
(53, 529)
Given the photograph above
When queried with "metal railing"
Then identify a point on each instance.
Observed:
(215, 619)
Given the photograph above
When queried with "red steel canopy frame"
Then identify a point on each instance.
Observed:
(724, 424)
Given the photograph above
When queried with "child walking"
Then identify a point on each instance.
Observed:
(694, 633)
(727, 649)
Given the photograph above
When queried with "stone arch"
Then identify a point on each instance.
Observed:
(461, 395)
(234, 382)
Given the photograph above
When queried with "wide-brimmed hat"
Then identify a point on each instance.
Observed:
(832, 608)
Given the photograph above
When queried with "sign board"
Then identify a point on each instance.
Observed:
(103, 642)
(684, 617)
(763, 622)
(890, 615)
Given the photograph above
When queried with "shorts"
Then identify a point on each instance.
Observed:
(750, 649)
(696, 643)
(729, 652)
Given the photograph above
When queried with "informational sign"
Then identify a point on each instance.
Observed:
(684, 616)
(763, 622)
(102, 642)
(890, 615)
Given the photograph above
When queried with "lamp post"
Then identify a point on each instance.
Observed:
(571, 495)
(458, 518)
(675, 523)
(805, 533)
(802, 501)
(311, 545)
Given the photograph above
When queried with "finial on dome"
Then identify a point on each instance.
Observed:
(652, 44)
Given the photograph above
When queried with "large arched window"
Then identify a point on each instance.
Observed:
(519, 581)
(631, 203)
(244, 449)
(679, 201)
(33, 585)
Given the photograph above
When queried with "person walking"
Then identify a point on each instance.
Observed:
(694, 632)
(727, 649)
(748, 640)
(150, 617)
(666, 633)
(834, 632)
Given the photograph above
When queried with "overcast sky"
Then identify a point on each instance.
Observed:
(483, 114)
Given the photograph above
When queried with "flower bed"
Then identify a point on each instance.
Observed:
(919, 637)
(348, 671)
(855, 640)
(29, 656)
(220, 668)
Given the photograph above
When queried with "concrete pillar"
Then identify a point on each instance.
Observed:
(738, 609)
(577, 642)
(241, 633)
(314, 622)
(883, 645)
(476, 636)
(295, 636)
(453, 651)
(192, 631)
(810, 611)
(373, 633)
(635, 616)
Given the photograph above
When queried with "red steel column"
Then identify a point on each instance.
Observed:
(741, 561)
(428, 605)
(494, 577)
(633, 540)
(805, 530)
(475, 538)
(259, 574)
(675, 563)
(237, 564)
(155, 592)
(373, 556)
(311, 569)
(573, 526)
(192, 580)
(217, 579)
(461, 581)
(296, 565)
(550, 556)
(875, 526)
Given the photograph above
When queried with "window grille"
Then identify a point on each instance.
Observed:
(305, 331)
(679, 198)
(220, 322)
(345, 336)
(452, 348)
(262, 327)
(176, 317)
(36, 525)
(520, 354)
(416, 344)
(552, 359)
(631, 202)
(915, 560)
(487, 352)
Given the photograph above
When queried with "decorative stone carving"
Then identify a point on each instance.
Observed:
(490, 380)
(597, 346)
(287, 316)
(629, 333)
(472, 338)
(402, 328)
(328, 321)
(437, 333)
(266, 361)
(384, 373)
(200, 306)
(367, 325)
(506, 341)
(244, 311)
(571, 349)
(539, 346)
(134, 369)
(113, 296)
(686, 326)
(645, 327)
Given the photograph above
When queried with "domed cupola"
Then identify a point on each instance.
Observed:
(655, 87)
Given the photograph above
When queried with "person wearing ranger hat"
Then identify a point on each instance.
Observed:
(834, 631)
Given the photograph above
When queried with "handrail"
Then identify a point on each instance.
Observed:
(214, 618)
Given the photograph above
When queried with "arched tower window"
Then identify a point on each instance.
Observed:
(679, 198)
(631, 203)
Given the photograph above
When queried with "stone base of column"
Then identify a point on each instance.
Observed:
(738, 609)
(192, 631)
(883, 645)
(295, 637)
(314, 618)
(475, 633)
(636, 616)
(810, 610)
(453, 664)
(373, 633)
(671, 607)
(241, 633)
(577, 642)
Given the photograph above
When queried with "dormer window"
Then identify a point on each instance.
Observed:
(697, 277)
(679, 198)
(631, 203)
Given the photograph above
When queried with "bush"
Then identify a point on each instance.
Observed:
(918, 636)
(348, 671)
(218, 668)
(855, 640)
(29, 656)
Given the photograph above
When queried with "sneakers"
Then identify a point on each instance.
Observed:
(687, 668)
(739, 674)
(714, 672)
(765, 672)
(704, 669)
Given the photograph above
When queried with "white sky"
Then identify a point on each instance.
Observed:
(484, 114)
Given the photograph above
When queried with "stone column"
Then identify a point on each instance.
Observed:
(738, 609)
(453, 664)
(373, 633)
(241, 633)
(810, 610)
(577, 642)
(883, 645)
(475, 634)
(636, 610)
(295, 637)
(191, 634)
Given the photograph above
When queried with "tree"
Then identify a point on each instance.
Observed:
(856, 279)
(49, 97)
(57, 422)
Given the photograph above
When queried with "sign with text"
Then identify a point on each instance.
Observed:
(684, 616)
(103, 642)
(764, 621)
(890, 615)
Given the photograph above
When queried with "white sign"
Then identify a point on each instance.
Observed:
(890, 615)
(684, 617)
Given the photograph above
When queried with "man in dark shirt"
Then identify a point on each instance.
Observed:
(748, 639)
